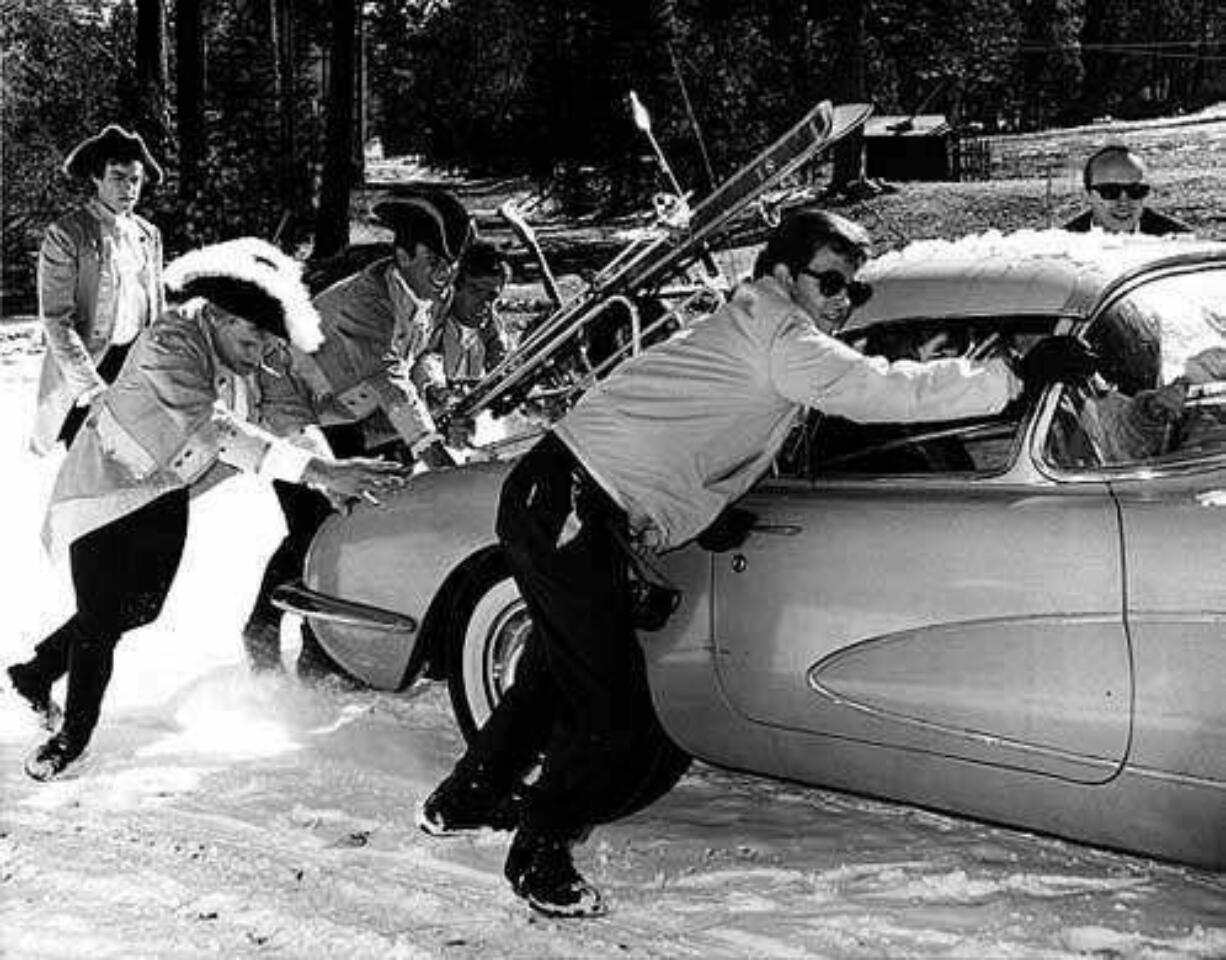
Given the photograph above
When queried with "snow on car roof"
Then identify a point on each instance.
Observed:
(1029, 272)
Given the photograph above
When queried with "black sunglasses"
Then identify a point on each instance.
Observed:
(1112, 191)
(831, 283)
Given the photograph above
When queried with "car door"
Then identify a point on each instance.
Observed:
(942, 600)
(1165, 337)
(1175, 554)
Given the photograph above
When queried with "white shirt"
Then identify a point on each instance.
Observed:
(678, 432)
(131, 273)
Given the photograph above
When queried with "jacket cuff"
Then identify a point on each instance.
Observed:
(285, 461)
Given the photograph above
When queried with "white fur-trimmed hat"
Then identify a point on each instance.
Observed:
(252, 279)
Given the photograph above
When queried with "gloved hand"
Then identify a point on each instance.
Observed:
(727, 531)
(1056, 359)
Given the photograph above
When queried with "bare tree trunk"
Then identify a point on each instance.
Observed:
(152, 74)
(849, 158)
(332, 219)
(189, 75)
(359, 92)
(293, 175)
(1203, 51)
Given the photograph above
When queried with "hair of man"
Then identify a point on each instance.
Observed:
(484, 259)
(121, 155)
(801, 234)
(1111, 150)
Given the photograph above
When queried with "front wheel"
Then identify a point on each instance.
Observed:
(484, 649)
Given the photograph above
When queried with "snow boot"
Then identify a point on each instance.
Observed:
(51, 759)
(465, 803)
(36, 691)
(542, 872)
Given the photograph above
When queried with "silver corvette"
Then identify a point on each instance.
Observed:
(1020, 618)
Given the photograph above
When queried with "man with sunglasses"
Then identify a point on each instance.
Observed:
(363, 384)
(655, 453)
(1116, 189)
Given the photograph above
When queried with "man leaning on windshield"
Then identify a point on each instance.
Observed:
(655, 452)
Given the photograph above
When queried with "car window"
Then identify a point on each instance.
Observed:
(833, 446)
(1161, 393)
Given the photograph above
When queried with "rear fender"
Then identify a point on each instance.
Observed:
(397, 557)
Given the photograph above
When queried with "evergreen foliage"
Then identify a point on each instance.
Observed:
(539, 87)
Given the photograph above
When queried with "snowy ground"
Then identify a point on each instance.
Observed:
(223, 816)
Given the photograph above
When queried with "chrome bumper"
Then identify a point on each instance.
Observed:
(298, 598)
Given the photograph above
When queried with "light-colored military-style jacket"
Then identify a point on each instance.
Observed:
(686, 427)
(457, 353)
(175, 416)
(366, 365)
(77, 300)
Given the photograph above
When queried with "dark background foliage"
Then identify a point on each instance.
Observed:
(539, 88)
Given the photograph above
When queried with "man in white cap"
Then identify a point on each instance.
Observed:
(365, 384)
(184, 413)
(99, 281)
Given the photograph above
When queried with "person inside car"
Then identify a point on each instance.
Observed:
(184, 413)
(1110, 427)
(655, 453)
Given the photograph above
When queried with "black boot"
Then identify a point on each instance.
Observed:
(52, 758)
(466, 803)
(542, 871)
(35, 689)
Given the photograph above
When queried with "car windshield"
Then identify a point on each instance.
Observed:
(1161, 392)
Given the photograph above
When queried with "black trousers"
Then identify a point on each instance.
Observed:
(580, 695)
(121, 574)
(108, 370)
(305, 511)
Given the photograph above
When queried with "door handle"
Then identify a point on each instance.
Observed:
(777, 529)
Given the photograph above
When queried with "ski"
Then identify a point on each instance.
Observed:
(650, 261)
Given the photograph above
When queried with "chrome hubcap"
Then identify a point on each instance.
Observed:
(504, 645)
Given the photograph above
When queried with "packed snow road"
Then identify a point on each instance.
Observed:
(220, 815)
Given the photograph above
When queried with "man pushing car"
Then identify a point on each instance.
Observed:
(654, 454)
(184, 413)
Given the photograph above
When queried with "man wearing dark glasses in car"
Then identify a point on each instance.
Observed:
(1116, 189)
(654, 453)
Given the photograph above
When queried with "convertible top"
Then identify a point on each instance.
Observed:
(1030, 272)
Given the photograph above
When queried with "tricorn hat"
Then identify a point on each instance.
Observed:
(428, 215)
(252, 279)
(116, 144)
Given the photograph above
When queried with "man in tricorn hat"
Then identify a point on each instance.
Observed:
(184, 413)
(99, 281)
(365, 381)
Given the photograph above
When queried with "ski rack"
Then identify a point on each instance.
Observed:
(667, 248)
